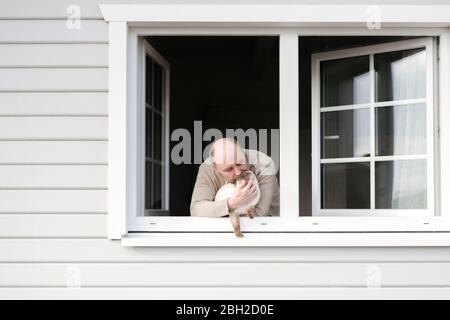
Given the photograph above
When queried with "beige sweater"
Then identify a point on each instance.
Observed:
(209, 182)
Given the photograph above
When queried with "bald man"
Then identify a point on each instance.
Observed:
(226, 162)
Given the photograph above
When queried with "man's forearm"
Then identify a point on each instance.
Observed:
(205, 208)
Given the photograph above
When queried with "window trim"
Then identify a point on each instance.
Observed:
(264, 240)
(293, 20)
(290, 184)
(372, 105)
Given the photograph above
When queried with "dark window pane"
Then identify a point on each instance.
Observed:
(346, 133)
(148, 80)
(400, 75)
(158, 87)
(401, 184)
(345, 81)
(148, 185)
(157, 186)
(346, 185)
(401, 130)
(157, 136)
(148, 132)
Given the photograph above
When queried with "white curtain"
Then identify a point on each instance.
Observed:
(409, 176)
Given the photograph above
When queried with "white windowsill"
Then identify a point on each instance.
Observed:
(378, 239)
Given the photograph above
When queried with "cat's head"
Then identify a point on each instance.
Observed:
(247, 175)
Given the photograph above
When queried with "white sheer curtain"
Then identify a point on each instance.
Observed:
(409, 179)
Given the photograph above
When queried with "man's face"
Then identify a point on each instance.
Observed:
(231, 171)
(230, 162)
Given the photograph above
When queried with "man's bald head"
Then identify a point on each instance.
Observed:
(228, 158)
(227, 151)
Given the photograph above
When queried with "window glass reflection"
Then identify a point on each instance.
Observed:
(346, 185)
(400, 75)
(346, 133)
(401, 130)
(401, 184)
(345, 81)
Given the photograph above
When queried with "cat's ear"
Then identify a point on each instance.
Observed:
(252, 169)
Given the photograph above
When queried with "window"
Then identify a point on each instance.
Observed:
(373, 115)
(155, 106)
(347, 148)
(223, 86)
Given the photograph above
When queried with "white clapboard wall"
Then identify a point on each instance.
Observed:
(53, 191)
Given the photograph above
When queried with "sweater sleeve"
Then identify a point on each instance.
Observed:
(268, 184)
(202, 202)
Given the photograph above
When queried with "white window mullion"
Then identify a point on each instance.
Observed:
(444, 124)
(372, 131)
(133, 151)
(316, 176)
(289, 126)
(142, 109)
(377, 158)
(375, 104)
(430, 113)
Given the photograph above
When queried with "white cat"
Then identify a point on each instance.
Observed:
(226, 191)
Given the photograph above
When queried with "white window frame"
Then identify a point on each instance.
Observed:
(431, 130)
(141, 223)
(128, 22)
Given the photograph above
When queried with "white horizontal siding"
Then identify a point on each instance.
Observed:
(225, 274)
(53, 79)
(52, 31)
(53, 128)
(53, 152)
(53, 103)
(58, 201)
(53, 176)
(54, 55)
(33, 225)
(229, 293)
(102, 250)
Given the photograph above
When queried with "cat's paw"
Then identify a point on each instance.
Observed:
(250, 213)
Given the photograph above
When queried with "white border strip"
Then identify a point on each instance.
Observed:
(285, 15)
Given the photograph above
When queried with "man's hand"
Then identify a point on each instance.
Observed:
(244, 193)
